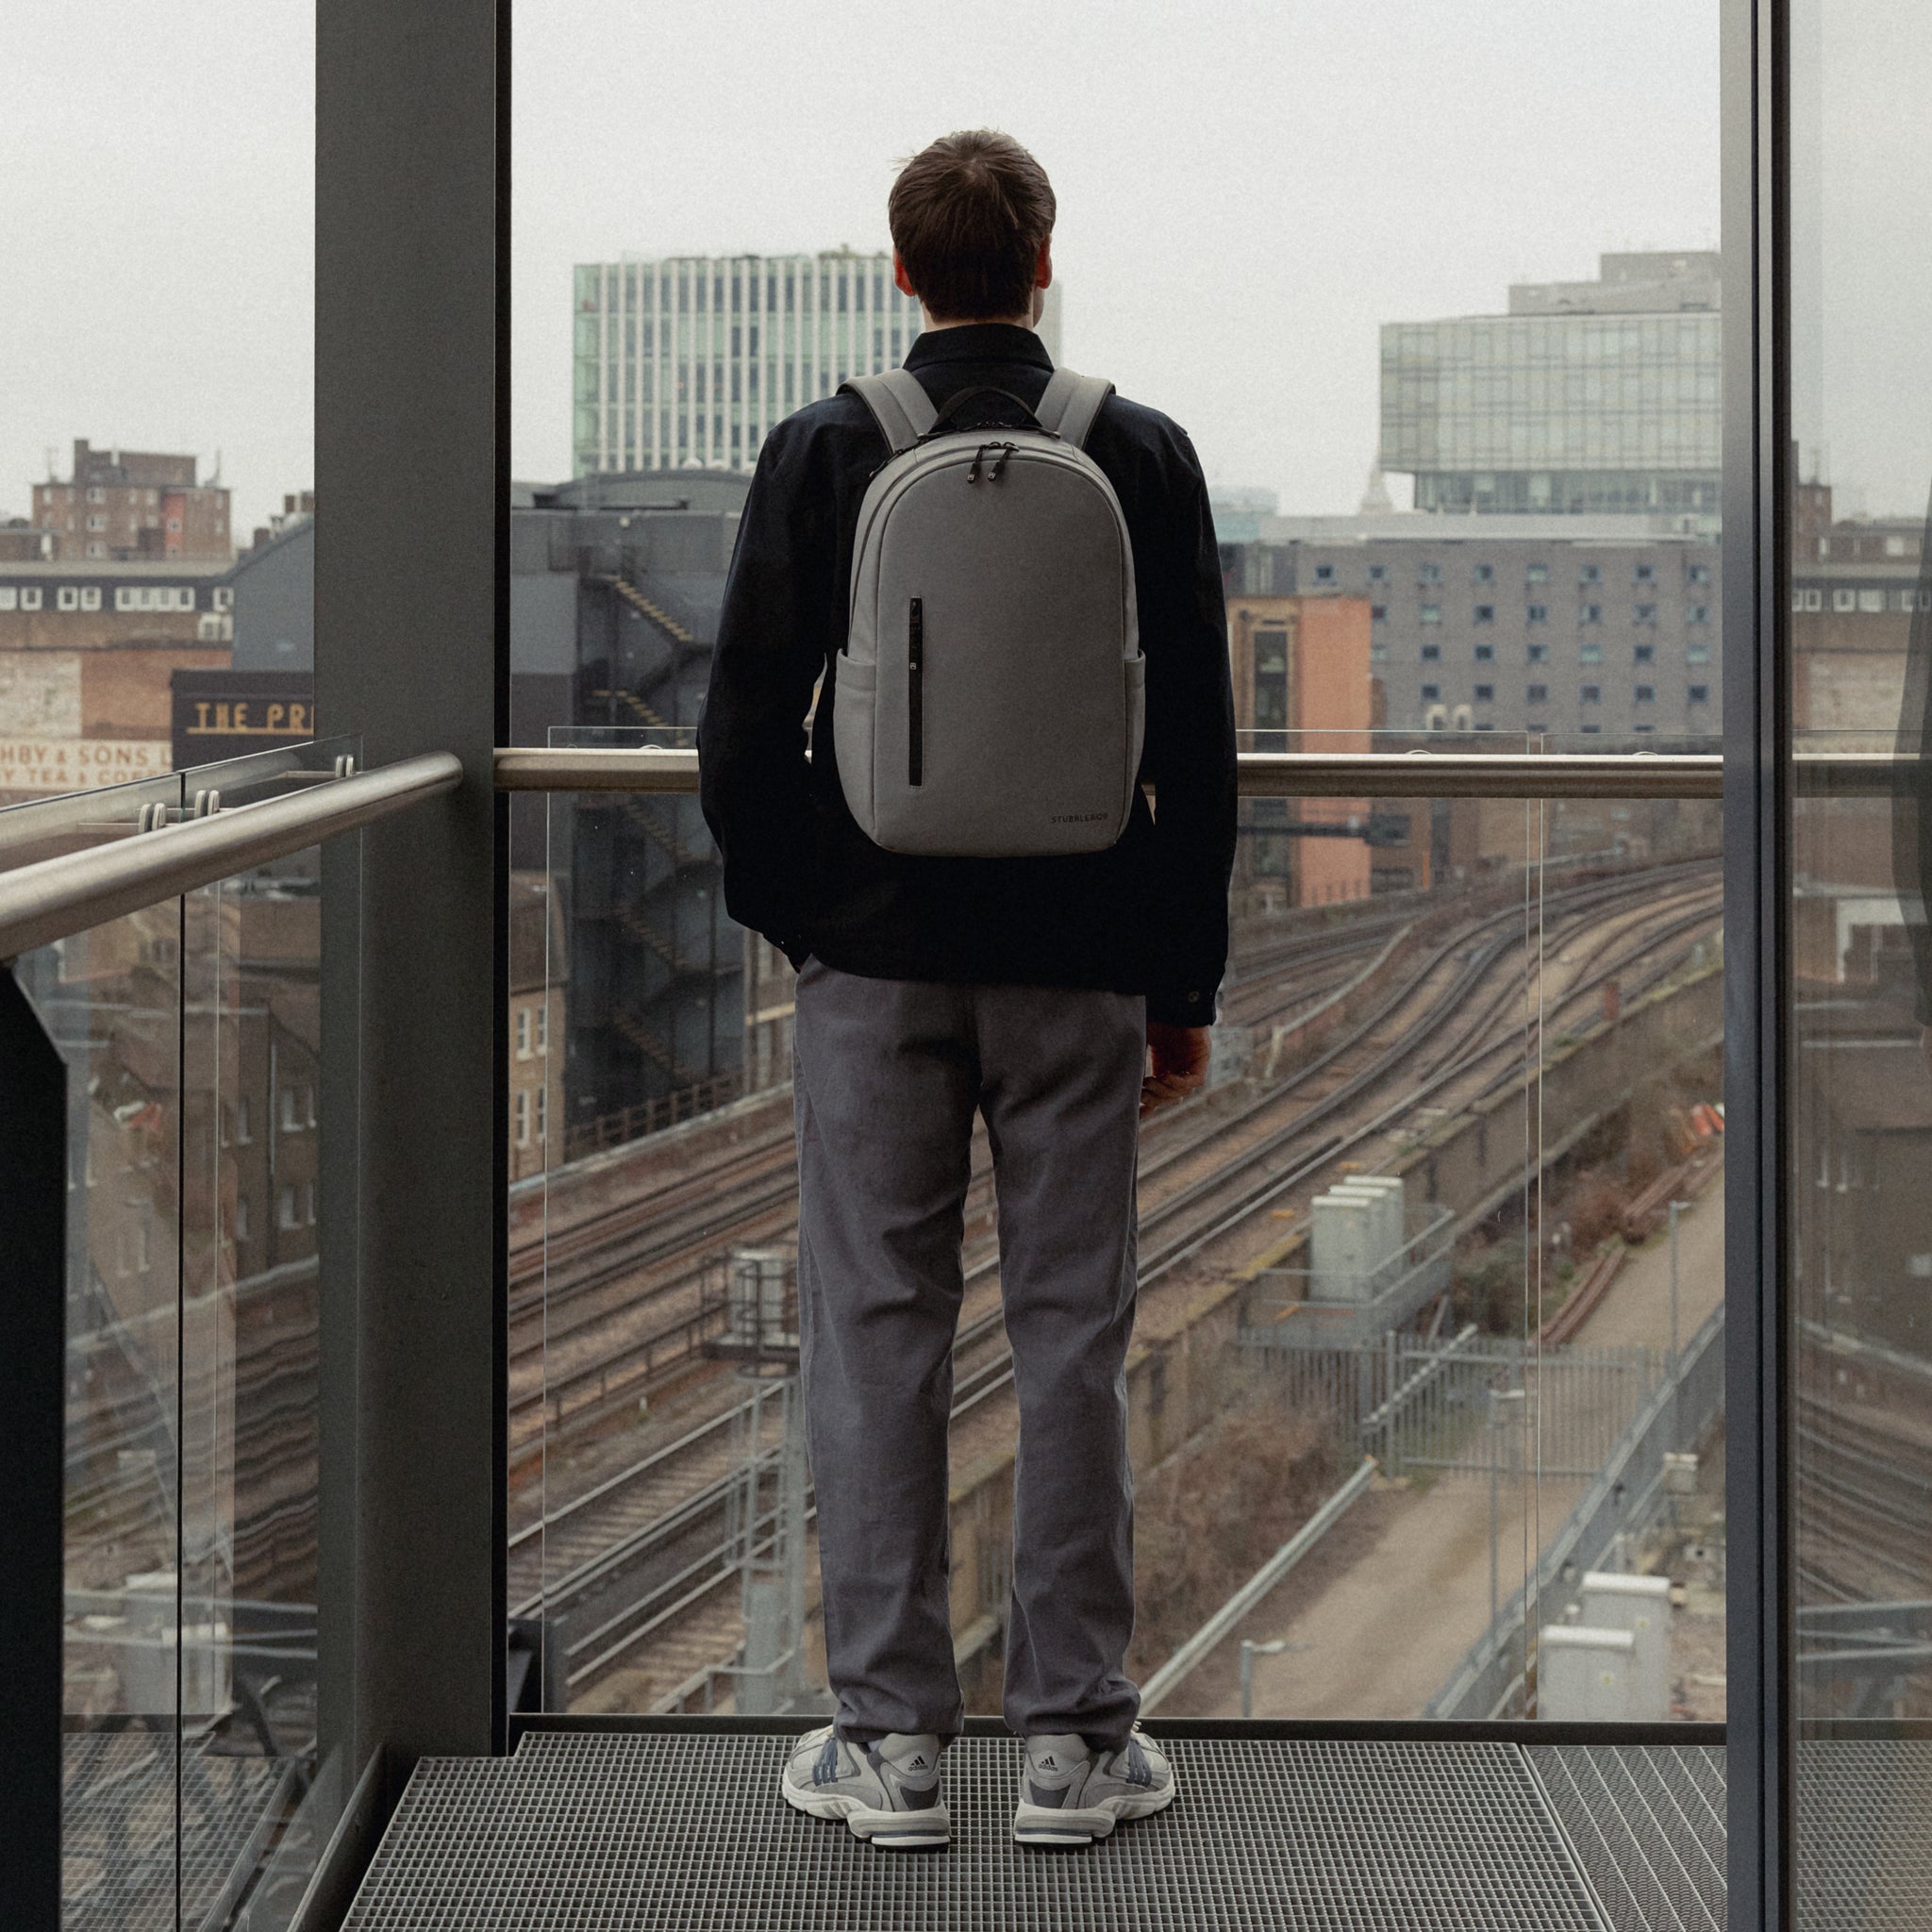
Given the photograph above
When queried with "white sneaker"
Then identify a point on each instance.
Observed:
(1070, 1795)
(887, 1793)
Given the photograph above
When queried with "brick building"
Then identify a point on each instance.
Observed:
(122, 504)
(87, 653)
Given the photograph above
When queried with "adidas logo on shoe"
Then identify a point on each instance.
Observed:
(1047, 1764)
(916, 1764)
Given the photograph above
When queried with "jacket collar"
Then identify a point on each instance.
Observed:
(978, 342)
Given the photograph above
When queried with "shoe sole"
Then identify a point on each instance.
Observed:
(1040, 1825)
(891, 1831)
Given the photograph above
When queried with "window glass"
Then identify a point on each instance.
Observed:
(1530, 421)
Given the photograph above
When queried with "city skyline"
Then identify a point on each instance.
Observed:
(1246, 193)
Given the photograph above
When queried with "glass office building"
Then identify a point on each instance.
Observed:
(1591, 396)
(692, 359)
(411, 1525)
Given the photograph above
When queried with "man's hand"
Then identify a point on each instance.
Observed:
(1178, 1059)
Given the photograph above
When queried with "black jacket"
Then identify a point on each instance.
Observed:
(1148, 916)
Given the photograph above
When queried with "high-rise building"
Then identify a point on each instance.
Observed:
(689, 360)
(120, 504)
(1585, 397)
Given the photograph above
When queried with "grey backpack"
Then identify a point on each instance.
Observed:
(990, 699)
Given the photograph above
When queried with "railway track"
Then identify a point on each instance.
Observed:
(667, 1560)
(637, 1293)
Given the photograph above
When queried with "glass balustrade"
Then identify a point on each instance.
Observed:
(201, 1779)
(1449, 1210)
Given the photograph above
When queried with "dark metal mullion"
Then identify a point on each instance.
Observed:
(181, 1359)
(35, 1151)
(1757, 408)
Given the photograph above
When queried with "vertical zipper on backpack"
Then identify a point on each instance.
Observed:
(915, 695)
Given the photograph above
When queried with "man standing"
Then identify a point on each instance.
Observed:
(1060, 996)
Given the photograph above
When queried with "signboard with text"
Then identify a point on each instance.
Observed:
(79, 764)
(228, 714)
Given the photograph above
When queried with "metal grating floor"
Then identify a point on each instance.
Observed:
(602, 1830)
(653, 1831)
(118, 1798)
(1648, 1825)
(1863, 1855)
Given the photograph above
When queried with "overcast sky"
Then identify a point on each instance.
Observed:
(1247, 189)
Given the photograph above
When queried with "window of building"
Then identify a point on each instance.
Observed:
(1324, 573)
(542, 1115)
(1699, 572)
(1432, 654)
(1590, 730)
(522, 1117)
(30, 597)
(1590, 613)
(1430, 692)
(292, 1115)
(1699, 694)
(1645, 613)
(1536, 574)
(1842, 601)
(1698, 613)
(1486, 694)
(1485, 654)
(91, 597)
(1871, 600)
(1808, 600)
(1486, 613)
(67, 597)
(542, 1029)
(1539, 654)
(1378, 573)
(1590, 574)
(1485, 573)
(1431, 572)
(1377, 612)
(287, 1214)
(97, 549)
(97, 522)
(1697, 653)
(240, 1216)
(1590, 653)
(1644, 654)
(1430, 613)
(1646, 573)
(1645, 694)
(1538, 613)
(1536, 693)
(96, 494)
(523, 1033)
(1591, 694)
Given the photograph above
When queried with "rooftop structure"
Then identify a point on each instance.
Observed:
(118, 504)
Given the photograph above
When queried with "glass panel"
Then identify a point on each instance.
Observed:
(1400, 966)
(1858, 635)
(264, 1782)
(192, 1036)
(110, 1000)
(1541, 558)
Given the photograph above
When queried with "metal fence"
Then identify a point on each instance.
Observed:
(1492, 1680)
(1471, 1405)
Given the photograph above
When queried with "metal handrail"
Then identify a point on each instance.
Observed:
(55, 898)
(1416, 773)
(1263, 773)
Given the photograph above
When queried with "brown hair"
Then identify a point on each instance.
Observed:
(968, 215)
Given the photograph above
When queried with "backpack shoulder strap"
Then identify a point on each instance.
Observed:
(1069, 405)
(899, 404)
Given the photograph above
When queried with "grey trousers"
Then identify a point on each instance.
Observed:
(889, 1074)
